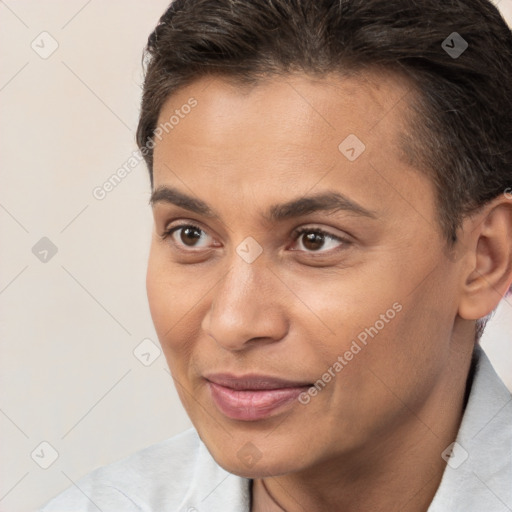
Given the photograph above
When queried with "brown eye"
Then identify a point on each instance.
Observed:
(187, 235)
(190, 235)
(315, 240)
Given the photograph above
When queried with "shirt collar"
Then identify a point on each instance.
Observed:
(478, 474)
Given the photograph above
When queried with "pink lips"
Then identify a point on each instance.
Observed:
(252, 397)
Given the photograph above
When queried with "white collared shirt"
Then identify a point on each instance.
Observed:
(180, 475)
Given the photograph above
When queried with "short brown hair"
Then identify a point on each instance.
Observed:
(462, 134)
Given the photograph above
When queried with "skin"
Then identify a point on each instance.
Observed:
(372, 438)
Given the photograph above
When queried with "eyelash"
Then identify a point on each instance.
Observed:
(295, 236)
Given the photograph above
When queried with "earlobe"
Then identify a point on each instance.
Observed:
(490, 277)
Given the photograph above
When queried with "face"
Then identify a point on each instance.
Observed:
(297, 278)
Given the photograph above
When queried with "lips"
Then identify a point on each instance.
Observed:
(253, 397)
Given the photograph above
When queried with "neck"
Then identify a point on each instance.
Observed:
(399, 471)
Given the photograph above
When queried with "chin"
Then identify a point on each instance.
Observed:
(258, 469)
(249, 461)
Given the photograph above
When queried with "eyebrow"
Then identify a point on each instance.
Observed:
(304, 205)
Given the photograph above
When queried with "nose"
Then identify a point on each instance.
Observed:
(245, 308)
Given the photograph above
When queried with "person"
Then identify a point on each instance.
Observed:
(331, 184)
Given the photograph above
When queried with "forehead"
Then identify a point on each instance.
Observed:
(288, 134)
(295, 113)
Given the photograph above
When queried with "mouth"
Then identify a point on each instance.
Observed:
(253, 397)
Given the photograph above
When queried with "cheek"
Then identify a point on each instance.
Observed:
(166, 299)
(401, 364)
(392, 341)
(347, 309)
(177, 299)
(160, 295)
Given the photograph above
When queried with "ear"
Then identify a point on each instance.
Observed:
(487, 237)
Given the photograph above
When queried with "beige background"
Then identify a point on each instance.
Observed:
(69, 326)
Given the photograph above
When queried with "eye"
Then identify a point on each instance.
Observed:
(186, 235)
(316, 239)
